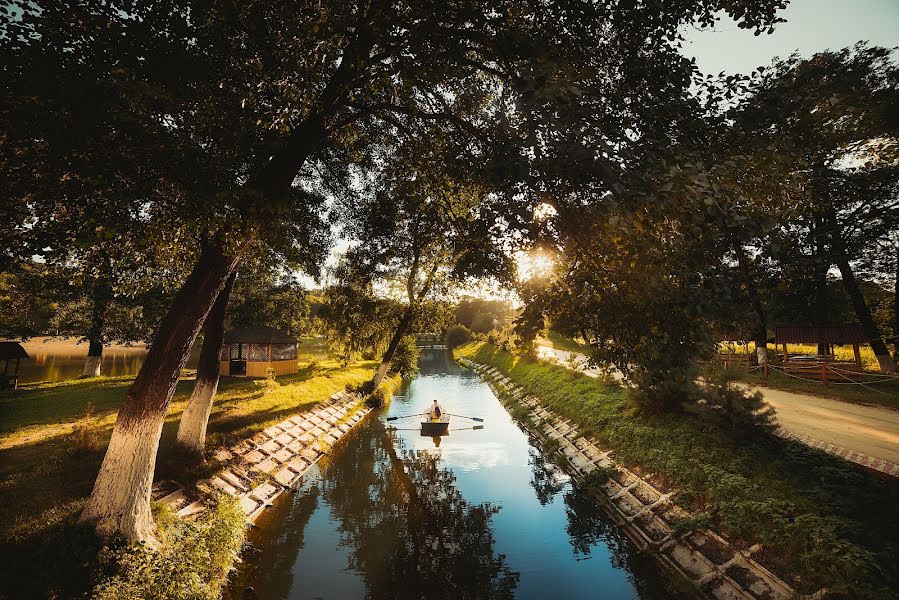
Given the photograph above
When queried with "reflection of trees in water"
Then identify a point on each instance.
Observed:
(588, 526)
(410, 531)
(270, 565)
(547, 478)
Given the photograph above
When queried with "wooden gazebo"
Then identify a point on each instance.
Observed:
(821, 335)
(11, 353)
(252, 351)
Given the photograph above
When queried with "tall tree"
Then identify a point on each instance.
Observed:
(246, 99)
(835, 113)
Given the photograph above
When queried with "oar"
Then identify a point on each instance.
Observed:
(478, 419)
(405, 417)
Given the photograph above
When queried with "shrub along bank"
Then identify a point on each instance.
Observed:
(822, 521)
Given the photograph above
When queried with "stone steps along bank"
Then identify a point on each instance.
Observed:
(261, 468)
(645, 513)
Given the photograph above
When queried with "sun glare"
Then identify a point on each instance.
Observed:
(533, 264)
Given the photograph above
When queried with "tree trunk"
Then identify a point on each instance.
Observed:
(884, 360)
(760, 331)
(398, 334)
(94, 359)
(896, 307)
(120, 501)
(95, 335)
(820, 266)
(195, 418)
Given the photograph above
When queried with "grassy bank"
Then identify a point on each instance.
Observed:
(822, 521)
(52, 439)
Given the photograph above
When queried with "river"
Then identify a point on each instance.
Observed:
(476, 514)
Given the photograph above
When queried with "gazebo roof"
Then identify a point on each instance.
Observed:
(820, 334)
(258, 335)
(9, 350)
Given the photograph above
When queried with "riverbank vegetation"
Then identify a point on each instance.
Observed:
(47, 469)
(822, 521)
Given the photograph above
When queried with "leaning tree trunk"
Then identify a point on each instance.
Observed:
(387, 358)
(95, 335)
(896, 307)
(884, 360)
(195, 418)
(760, 331)
(120, 501)
(820, 266)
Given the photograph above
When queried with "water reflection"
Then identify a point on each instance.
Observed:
(482, 515)
(57, 359)
(412, 533)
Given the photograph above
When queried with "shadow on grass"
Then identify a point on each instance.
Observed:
(44, 482)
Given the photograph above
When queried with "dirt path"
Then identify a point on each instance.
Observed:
(869, 430)
(564, 357)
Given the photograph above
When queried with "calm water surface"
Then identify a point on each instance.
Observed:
(476, 514)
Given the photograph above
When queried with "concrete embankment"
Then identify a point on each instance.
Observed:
(261, 468)
(645, 512)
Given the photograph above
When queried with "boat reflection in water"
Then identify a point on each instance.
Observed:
(476, 514)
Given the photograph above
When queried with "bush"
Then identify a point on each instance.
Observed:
(738, 412)
(383, 394)
(192, 562)
(268, 384)
(456, 336)
(405, 360)
(85, 436)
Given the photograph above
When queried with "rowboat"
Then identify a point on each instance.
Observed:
(435, 428)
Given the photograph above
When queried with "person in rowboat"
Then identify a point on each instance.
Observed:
(436, 411)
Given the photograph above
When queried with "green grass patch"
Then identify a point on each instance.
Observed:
(52, 440)
(823, 522)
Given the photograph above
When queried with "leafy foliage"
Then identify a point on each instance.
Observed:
(456, 336)
(192, 562)
(405, 361)
(740, 413)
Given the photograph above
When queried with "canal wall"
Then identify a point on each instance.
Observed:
(259, 469)
(641, 509)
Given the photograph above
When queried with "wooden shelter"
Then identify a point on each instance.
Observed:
(11, 353)
(252, 351)
(822, 335)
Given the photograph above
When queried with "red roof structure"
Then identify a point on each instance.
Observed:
(826, 335)
(819, 334)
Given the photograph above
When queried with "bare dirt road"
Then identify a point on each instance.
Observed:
(870, 430)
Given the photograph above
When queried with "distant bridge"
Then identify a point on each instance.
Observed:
(429, 340)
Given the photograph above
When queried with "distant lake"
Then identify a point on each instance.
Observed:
(58, 359)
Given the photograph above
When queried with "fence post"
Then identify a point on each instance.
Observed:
(766, 369)
(824, 373)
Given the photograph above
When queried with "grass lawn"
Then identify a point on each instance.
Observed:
(822, 521)
(52, 440)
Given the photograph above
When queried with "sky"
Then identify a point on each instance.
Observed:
(812, 26)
